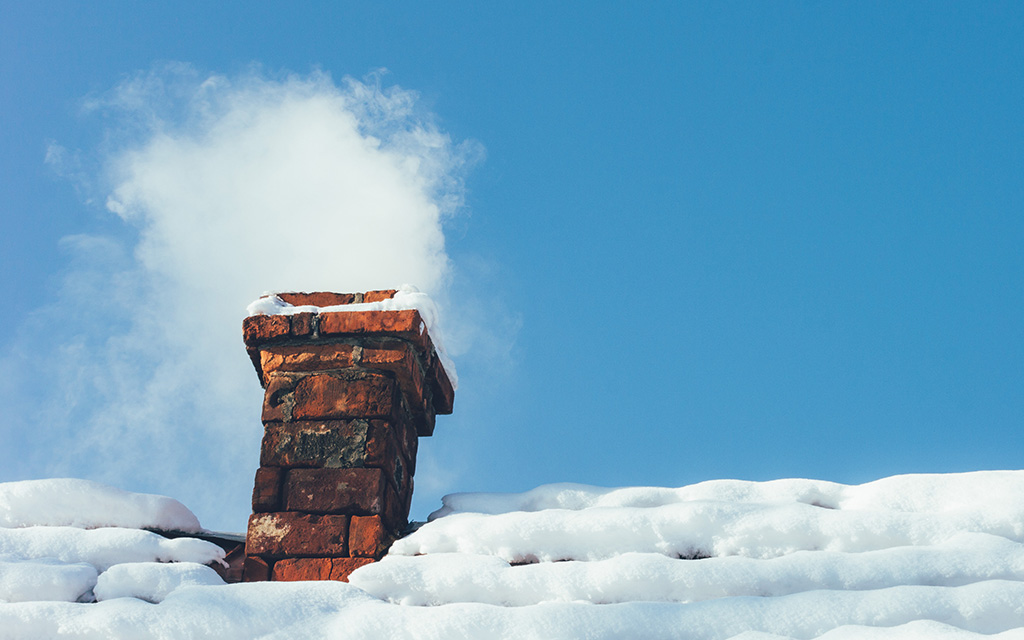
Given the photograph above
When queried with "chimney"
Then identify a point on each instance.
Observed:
(347, 395)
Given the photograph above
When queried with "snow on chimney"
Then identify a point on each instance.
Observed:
(347, 395)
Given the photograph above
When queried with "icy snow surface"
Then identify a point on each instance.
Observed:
(60, 538)
(923, 556)
(82, 503)
(152, 581)
(407, 297)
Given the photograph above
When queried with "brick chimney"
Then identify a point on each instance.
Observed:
(347, 395)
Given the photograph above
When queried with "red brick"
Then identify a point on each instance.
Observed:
(266, 491)
(352, 491)
(292, 569)
(405, 323)
(396, 512)
(255, 570)
(278, 399)
(317, 298)
(381, 294)
(283, 534)
(367, 537)
(332, 443)
(308, 357)
(424, 420)
(302, 324)
(323, 396)
(399, 358)
(442, 392)
(408, 441)
(383, 452)
(260, 328)
(381, 448)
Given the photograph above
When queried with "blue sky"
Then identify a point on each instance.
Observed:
(698, 241)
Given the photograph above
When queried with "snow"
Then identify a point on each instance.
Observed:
(406, 297)
(104, 547)
(82, 503)
(917, 556)
(68, 540)
(328, 609)
(152, 581)
(45, 579)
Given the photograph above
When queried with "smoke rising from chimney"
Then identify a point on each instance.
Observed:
(230, 187)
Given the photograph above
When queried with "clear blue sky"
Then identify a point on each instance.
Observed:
(750, 240)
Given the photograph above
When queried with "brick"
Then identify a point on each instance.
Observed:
(330, 444)
(424, 421)
(442, 392)
(317, 298)
(408, 497)
(308, 357)
(266, 491)
(259, 328)
(352, 491)
(400, 359)
(396, 512)
(293, 569)
(255, 570)
(283, 534)
(254, 357)
(324, 396)
(278, 399)
(405, 323)
(302, 324)
(381, 294)
(367, 537)
(382, 451)
(408, 441)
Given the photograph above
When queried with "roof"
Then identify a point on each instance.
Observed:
(936, 556)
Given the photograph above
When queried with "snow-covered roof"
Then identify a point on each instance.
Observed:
(916, 556)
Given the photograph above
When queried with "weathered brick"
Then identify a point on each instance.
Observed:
(302, 324)
(283, 534)
(255, 570)
(331, 444)
(317, 298)
(442, 392)
(293, 569)
(278, 398)
(424, 420)
(382, 450)
(266, 491)
(405, 323)
(259, 328)
(367, 537)
(307, 357)
(396, 511)
(352, 491)
(381, 294)
(399, 358)
(408, 441)
(324, 396)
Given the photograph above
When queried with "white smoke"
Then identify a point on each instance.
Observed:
(232, 186)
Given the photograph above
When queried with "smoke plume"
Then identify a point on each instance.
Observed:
(228, 187)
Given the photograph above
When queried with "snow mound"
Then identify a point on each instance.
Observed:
(444, 578)
(980, 490)
(923, 556)
(152, 581)
(48, 554)
(42, 580)
(103, 548)
(83, 503)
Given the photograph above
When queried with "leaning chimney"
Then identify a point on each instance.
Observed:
(347, 395)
